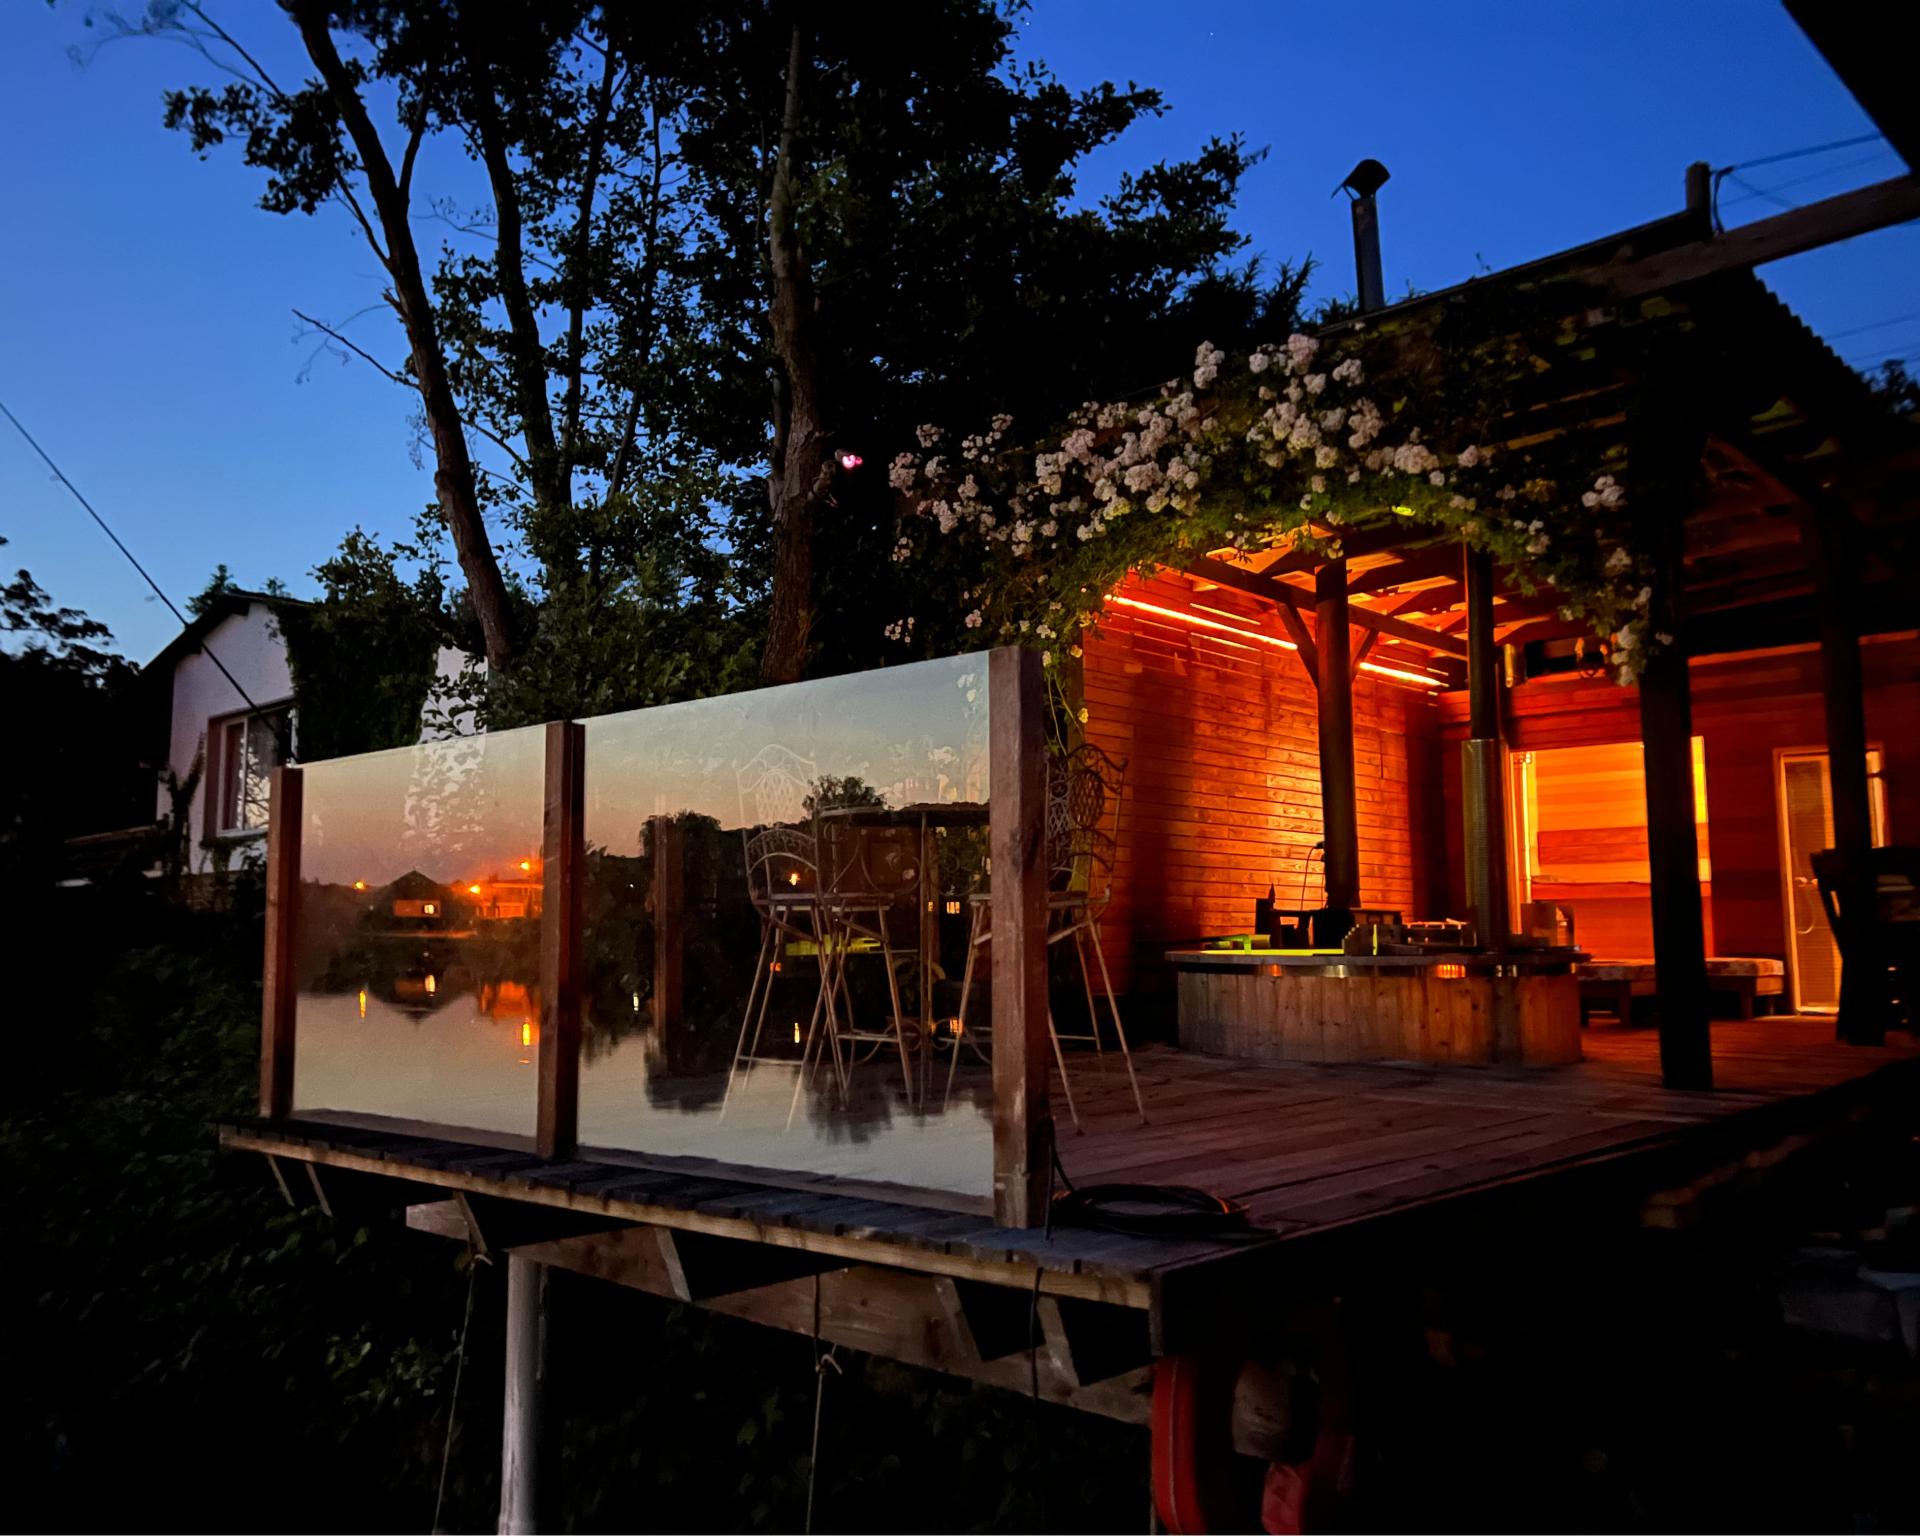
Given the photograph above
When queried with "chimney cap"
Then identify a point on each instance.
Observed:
(1365, 179)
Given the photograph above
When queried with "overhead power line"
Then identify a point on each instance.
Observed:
(1799, 181)
(1874, 325)
(60, 475)
(1811, 149)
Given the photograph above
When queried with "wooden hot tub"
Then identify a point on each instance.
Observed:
(1459, 1007)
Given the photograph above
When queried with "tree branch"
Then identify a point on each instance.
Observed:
(578, 278)
(454, 481)
(526, 354)
(355, 348)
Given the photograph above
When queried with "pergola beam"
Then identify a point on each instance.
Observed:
(1260, 584)
(1784, 234)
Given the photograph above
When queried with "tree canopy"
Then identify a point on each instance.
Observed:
(627, 204)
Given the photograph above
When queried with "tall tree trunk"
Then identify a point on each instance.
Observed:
(453, 476)
(802, 464)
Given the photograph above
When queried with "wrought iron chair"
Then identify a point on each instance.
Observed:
(863, 883)
(784, 884)
(1084, 791)
(811, 902)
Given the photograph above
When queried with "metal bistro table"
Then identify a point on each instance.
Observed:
(927, 818)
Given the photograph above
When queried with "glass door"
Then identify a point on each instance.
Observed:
(1806, 826)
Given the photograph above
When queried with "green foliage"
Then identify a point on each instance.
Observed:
(363, 657)
(62, 676)
(180, 1348)
(219, 584)
(1405, 422)
(605, 322)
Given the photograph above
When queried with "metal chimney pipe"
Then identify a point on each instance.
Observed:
(1365, 179)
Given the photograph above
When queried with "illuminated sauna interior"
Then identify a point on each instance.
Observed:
(1580, 839)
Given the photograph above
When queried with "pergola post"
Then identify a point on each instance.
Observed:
(524, 1409)
(1339, 813)
(1834, 551)
(1673, 847)
(1483, 761)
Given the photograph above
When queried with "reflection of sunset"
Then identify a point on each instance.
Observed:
(422, 891)
(449, 809)
(915, 733)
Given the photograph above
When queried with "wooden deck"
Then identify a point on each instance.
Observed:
(1320, 1155)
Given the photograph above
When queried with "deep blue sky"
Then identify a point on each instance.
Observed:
(145, 333)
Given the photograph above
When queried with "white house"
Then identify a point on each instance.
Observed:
(232, 708)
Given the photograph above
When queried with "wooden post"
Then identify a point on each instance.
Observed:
(562, 855)
(1673, 848)
(1338, 812)
(669, 921)
(1017, 845)
(1483, 762)
(280, 980)
(1835, 554)
(523, 1415)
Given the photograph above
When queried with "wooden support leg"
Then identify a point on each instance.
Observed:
(526, 1380)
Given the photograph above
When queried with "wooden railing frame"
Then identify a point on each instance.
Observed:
(279, 983)
(563, 855)
(1023, 1126)
(1017, 846)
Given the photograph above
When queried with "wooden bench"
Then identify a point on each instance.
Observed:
(1611, 986)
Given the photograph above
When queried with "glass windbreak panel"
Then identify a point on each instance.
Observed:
(418, 936)
(779, 901)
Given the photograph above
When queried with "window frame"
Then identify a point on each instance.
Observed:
(220, 768)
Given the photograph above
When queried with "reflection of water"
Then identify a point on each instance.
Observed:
(468, 1063)
(628, 1102)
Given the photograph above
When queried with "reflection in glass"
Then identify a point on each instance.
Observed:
(767, 939)
(418, 936)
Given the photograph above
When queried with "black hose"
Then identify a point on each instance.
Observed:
(1152, 1210)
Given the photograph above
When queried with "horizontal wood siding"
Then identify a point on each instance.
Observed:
(1745, 707)
(1223, 786)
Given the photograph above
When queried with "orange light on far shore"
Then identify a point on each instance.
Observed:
(363, 1002)
(432, 985)
(526, 866)
(526, 1033)
(359, 885)
(473, 890)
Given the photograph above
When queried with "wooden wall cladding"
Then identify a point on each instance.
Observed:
(1746, 707)
(1223, 787)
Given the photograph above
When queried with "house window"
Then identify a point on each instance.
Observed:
(250, 748)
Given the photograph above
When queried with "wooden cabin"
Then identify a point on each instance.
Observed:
(804, 965)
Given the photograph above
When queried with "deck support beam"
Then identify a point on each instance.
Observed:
(524, 1415)
(1835, 550)
(1483, 761)
(1339, 815)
